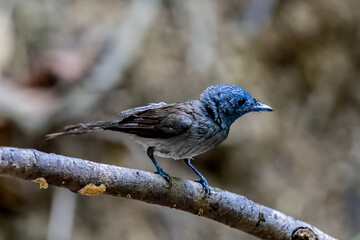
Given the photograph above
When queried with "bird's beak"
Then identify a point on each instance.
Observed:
(259, 107)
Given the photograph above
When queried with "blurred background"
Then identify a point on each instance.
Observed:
(64, 62)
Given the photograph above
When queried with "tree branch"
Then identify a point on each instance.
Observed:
(90, 178)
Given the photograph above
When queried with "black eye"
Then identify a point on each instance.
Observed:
(241, 101)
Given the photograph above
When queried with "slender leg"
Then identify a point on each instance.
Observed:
(202, 180)
(150, 153)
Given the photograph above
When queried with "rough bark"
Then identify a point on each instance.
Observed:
(90, 178)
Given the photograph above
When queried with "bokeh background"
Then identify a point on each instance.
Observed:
(64, 62)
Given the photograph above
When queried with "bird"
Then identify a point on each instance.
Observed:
(180, 130)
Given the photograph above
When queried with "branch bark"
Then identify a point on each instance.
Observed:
(90, 178)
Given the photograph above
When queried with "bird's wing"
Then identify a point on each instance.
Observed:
(137, 110)
(163, 122)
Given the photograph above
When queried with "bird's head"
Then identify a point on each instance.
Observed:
(226, 103)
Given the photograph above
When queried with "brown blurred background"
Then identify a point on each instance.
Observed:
(64, 62)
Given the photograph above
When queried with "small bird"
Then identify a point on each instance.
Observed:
(180, 130)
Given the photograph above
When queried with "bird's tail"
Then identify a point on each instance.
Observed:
(85, 128)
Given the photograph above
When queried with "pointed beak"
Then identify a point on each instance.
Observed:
(260, 107)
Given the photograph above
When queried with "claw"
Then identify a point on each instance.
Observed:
(165, 176)
(202, 180)
(159, 171)
(205, 185)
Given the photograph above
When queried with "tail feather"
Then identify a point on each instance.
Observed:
(84, 128)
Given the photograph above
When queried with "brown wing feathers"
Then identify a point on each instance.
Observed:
(152, 123)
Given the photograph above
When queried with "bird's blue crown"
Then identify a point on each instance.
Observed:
(226, 103)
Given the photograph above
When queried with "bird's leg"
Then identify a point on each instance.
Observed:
(150, 153)
(202, 180)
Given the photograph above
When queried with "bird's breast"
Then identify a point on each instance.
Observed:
(190, 144)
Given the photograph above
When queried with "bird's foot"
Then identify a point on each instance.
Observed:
(164, 175)
(205, 185)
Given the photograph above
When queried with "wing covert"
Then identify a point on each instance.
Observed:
(137, 110)
(163, 122)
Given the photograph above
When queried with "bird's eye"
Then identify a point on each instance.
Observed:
(241, 101)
